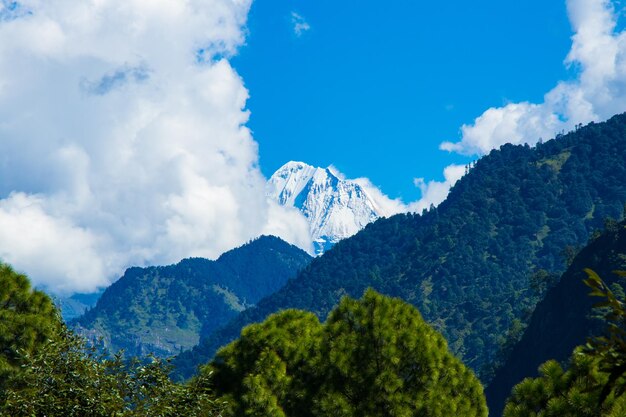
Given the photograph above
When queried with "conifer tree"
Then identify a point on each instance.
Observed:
(380, 358)
(594, 384)
(46, 370)
(373, 357)
(65, 378)
(267, 371)
(28, 320)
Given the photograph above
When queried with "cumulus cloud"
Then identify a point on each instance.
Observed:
(50, 246)
(434, 192)
(123, 138)
(300, 25)
(598, 53)
(290, 224)
(387, 205)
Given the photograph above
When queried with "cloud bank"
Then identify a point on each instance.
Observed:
(598, 54)
(123, 139)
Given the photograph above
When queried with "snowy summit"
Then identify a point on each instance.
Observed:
(335, 208)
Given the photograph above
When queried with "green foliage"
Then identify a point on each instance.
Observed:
(49, 371)
(28, 319)
(541, 281)
(60, 379)
(566, 317)
(65, 378)
(559, 393)
(265, 372)
(609, 350)
(380, 358)
(466, 264)
(373, 357)
(162, 310)
(595, 381)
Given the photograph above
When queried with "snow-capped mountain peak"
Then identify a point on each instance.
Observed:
(336, 208)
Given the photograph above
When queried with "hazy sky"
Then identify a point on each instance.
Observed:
(137, 132)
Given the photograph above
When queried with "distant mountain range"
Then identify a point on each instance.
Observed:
(76, 305)
(165, 309)
(466, 264)
(335, 208)
(162, 310)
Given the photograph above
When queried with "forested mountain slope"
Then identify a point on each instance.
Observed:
(564, 318)
(76, 305)
(163, 309)
(466, 265)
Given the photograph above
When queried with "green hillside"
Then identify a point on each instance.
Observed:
(564, 318)
(466, 265)
(164, 309)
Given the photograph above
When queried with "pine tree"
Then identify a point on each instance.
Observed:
(594, 383)
(266, 371)
(46, 370)
(28, 319)
(373, 357)
(380, 358)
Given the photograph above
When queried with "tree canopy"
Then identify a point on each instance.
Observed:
(46, 370)
(373, 357)
(28, 320)
(594, 383)
(64, 378)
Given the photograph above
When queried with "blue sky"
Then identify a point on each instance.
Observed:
(121, 143)
(374, 88)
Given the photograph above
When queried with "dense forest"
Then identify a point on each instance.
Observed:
(564, 319)
(468, 264)
(374, 356)
(593, 382)
(161, 310)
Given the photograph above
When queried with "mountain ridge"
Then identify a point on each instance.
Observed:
(163, 309)
(466, 264)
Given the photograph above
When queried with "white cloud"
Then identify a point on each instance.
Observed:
(598, 52)
(300, 25)
(387, 205)
(123, 138)
(434, 192)
(515, 123)
(50, 246)
(289, 224)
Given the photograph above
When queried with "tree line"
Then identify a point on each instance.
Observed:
(375, 356)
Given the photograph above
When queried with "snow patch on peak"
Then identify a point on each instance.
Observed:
(335, 207)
